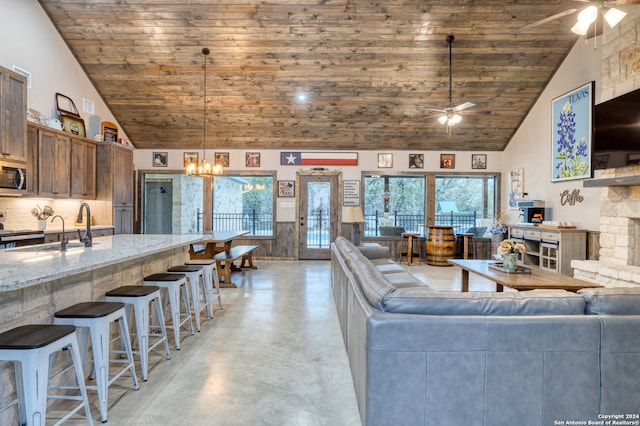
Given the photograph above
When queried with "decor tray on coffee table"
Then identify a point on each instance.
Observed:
(497, 266)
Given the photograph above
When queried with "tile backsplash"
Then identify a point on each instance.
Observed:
(17, 212)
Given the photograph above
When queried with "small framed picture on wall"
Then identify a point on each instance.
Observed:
(385, 161)
(222, 158)
(159, 159)
(252, 159)
(447, 161)
(416, 161)
(478, 161)
(286, 188)
(190, 158)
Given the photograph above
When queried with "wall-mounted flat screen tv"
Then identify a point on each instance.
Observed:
(616, 136)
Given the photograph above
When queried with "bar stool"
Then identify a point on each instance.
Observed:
(138, 298)
(195, 275)
(30, 348)
(97, 317)
(408, 237)
(210, 277)
(174, 285)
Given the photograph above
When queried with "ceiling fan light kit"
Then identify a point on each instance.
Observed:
(613, 16)
(449, 117)
(587, 15)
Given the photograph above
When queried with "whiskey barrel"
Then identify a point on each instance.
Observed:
(441, 245)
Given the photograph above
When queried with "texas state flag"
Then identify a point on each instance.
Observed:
(319, 158)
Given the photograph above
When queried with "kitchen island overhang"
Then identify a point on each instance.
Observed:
(36, 281)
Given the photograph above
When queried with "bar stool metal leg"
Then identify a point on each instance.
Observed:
(97, 317)
(211, 278)
(138, 299)
(30, 347)
(199, 294)
(175, 285)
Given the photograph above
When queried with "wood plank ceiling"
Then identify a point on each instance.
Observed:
(371, 69)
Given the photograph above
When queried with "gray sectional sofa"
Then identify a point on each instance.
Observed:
(424, 357)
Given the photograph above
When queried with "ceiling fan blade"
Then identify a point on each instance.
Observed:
(621, 2)
(464, 106)
(435, 110)
(543, 21)
(477, 112)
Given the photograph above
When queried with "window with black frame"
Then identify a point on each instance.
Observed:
(244, 202)
(465, 201)
(393, 201)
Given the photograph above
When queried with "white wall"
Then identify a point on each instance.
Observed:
(530, 147)
(31, 42)
(367, 161)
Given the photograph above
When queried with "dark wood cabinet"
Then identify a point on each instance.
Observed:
(13, 117)
(115, 183)
(59, 164)
(53, 164)
(83, 169)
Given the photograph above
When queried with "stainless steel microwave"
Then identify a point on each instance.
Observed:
(13, 178)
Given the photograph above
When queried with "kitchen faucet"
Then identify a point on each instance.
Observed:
(87, 240)
(64, 241)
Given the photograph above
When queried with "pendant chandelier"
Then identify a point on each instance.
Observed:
(204, 169)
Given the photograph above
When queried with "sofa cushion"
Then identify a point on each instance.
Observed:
(390, 268)
(422, 300)
(381, 261)
(374, 251)
(612, 301)
(371, 281)
(403, 279)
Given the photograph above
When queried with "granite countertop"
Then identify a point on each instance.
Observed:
(55, 229)
(27, 266)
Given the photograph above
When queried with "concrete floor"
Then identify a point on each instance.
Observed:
(273, 356)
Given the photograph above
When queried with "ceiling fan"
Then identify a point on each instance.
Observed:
(451, 115)
(588, 14)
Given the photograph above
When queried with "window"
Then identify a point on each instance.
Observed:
(244, 202)
(393, 200)
(464, 201)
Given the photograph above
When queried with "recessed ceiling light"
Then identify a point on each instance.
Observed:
(301, 97)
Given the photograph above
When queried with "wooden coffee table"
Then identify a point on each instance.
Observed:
(537, 279)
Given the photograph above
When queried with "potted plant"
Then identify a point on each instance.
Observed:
(509, 250)
(498, 233)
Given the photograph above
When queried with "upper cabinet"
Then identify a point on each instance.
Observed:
(13, 117)
(53, 164)
(115, 183)
(64, 166)
(83, 169)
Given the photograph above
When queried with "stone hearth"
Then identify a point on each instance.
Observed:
(619, 260)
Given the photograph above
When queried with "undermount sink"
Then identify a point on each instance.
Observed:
(48, 247)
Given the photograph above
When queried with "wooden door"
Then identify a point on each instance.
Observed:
(318, 221)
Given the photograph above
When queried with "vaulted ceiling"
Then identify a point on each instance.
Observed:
(371, 69)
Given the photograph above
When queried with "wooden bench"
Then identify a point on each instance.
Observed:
(228, 257)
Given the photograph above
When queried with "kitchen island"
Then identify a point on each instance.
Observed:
(36, 281)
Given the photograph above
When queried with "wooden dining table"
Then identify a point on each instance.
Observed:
(213, 242)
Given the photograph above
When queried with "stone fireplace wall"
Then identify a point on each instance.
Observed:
(619, 260)
(619, 263)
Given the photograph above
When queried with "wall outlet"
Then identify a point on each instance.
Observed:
(3, 216)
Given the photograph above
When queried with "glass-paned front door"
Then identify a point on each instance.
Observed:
(318, 215)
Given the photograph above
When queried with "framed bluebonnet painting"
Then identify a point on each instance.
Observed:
(572, 130)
